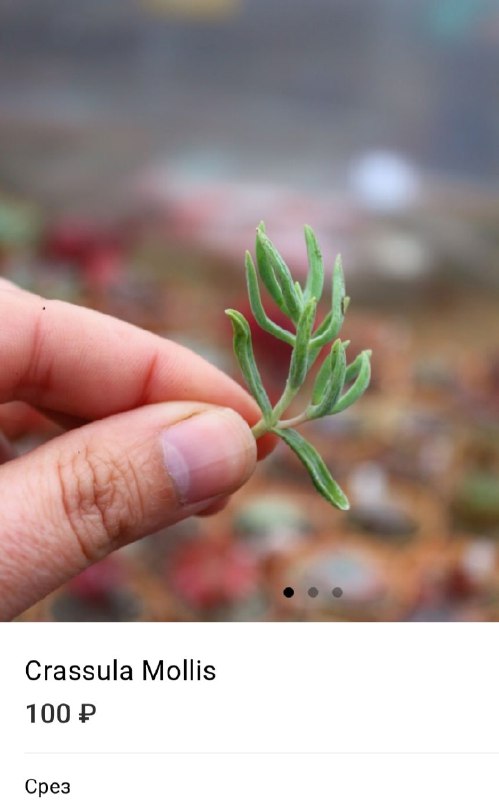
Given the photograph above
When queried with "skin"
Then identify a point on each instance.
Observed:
(107, 391)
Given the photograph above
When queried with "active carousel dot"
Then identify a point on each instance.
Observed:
(288, 591)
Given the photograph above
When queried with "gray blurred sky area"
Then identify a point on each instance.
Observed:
(89, 90)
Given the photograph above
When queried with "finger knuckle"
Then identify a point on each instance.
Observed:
(101, 499)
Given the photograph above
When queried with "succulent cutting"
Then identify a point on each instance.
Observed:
(337, 384)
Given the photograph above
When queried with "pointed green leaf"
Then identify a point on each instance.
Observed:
(266, 270)
(243, 350)
(313, 352)
(329, 392)
(315, 278)
(299, 359)
(324, 326)
(358, 387)
(338, 297)
(273, 263)
(353, 369)
(322, 378)
(316, 343)
(257, 307)
(319, 473)
(331, 325)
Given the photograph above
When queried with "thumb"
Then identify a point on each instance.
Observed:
(80, 496)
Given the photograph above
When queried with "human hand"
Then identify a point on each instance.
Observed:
(153, 434)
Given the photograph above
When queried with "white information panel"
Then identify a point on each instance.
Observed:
(245, 710)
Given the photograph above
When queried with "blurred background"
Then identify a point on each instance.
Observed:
(140, 145)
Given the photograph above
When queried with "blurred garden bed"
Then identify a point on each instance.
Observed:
(419, 455)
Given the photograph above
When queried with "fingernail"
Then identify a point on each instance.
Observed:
(209, 454)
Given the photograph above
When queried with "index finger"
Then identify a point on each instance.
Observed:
(84, 363)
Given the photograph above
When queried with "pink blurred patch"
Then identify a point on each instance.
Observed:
(211, 574)
(95, 583)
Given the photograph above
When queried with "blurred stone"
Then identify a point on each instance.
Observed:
(479, 560)
(436, 373)
(436, 455)
(118, 606)
(419, 422)
(475, 503)
(386, 521)
(155, 550)
(271, 524)
(369, 484)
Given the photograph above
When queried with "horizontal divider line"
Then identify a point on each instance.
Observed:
(267, 753)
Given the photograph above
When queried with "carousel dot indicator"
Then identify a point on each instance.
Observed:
(337, 591)
(288, 591)
(313, 591)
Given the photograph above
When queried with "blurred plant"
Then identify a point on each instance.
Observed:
(300, 305)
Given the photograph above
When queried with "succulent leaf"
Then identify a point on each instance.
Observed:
(333, 384)
(359, 385)
(257, 308)
(331, 325)
(315, 278)
(299, 358)
(319, 473)
(243, 350)
(275, 265)
(266, 271)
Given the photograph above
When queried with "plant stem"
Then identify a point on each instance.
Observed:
(284, 401)
(260, 428)
(263, 426)
(293, 422)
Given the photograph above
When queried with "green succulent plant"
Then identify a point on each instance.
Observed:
(337, 384)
